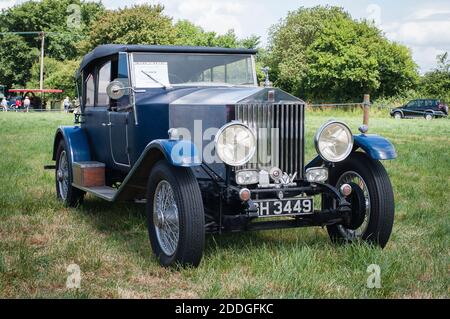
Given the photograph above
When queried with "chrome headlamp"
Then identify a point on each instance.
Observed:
(334, 141)
(235, 144)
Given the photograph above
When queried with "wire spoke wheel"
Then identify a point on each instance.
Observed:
(65, 191)
(375, 192)
(353, 177)
(165, 218)
(175, 216)
(63, 175)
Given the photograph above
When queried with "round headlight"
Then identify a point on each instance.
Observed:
(334, 141)
(235, 144)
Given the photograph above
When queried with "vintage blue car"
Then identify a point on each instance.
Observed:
(188, 131)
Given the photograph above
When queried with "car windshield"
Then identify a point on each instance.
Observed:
(156, 70)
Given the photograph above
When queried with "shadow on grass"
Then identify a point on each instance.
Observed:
(125, 224)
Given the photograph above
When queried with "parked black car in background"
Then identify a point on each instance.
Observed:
(427, 108)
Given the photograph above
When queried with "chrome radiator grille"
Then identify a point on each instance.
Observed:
(280, 133)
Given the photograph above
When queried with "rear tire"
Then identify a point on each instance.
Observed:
(397, 115)
(428, 117)
(65, 192)
(176, 220)
(373, 179)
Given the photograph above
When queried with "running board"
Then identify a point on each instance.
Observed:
(104, 192)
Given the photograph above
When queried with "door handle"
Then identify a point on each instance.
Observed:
(107, 124)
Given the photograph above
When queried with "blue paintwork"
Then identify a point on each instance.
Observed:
(177, 152)
(377, 147)
(77, 142)
(315, 162)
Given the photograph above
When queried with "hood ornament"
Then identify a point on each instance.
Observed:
(288, 179)
(280, 179)
(265, 70)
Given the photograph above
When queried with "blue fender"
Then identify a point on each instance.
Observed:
(177, 152)
(377, 147)
(76, 141)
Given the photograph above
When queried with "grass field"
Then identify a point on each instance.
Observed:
(39, 238)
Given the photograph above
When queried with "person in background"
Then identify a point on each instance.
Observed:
(66, 104)
(26, 104)
(4, 105)
(18, 103)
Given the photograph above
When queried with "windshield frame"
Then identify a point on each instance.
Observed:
(195, 84)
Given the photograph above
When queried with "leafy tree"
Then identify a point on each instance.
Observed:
(142, 24)
(436, 83)
(252, 42)
(339, 64)
(397, 70)
(59, 75)
(351, 58)
(322, 53)
(16, 59)
(66, 22)
(289, 40)
(188, 33)
(73, 27)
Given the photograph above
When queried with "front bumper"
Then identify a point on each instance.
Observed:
(248, 219)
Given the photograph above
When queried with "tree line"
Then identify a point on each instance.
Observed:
(320, 54)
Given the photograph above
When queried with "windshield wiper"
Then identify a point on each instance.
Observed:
(155, 80)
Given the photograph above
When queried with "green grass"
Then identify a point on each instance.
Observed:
(39, 238)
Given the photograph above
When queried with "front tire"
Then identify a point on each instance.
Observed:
(175, 215)
(65, 192)
(428, 117)
(374, 181)
(397, 115)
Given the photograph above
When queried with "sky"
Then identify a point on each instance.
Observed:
(423, 26)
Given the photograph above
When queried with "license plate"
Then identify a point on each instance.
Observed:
(284, 207)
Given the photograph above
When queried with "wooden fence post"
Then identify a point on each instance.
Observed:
(366, 107)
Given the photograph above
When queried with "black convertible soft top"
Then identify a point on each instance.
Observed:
(110, 49)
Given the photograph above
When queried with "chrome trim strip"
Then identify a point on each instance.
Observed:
(132, 80)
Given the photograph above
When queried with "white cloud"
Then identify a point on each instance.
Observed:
(425, 57)
(426, 32)
(212, 15)
(7, 3)
(420, 33)
(428, 13)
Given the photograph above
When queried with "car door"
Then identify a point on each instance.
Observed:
(430, 105)
(117, 123)
(408, 110)
(420, 108)
(96, 117)
(118, 134)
